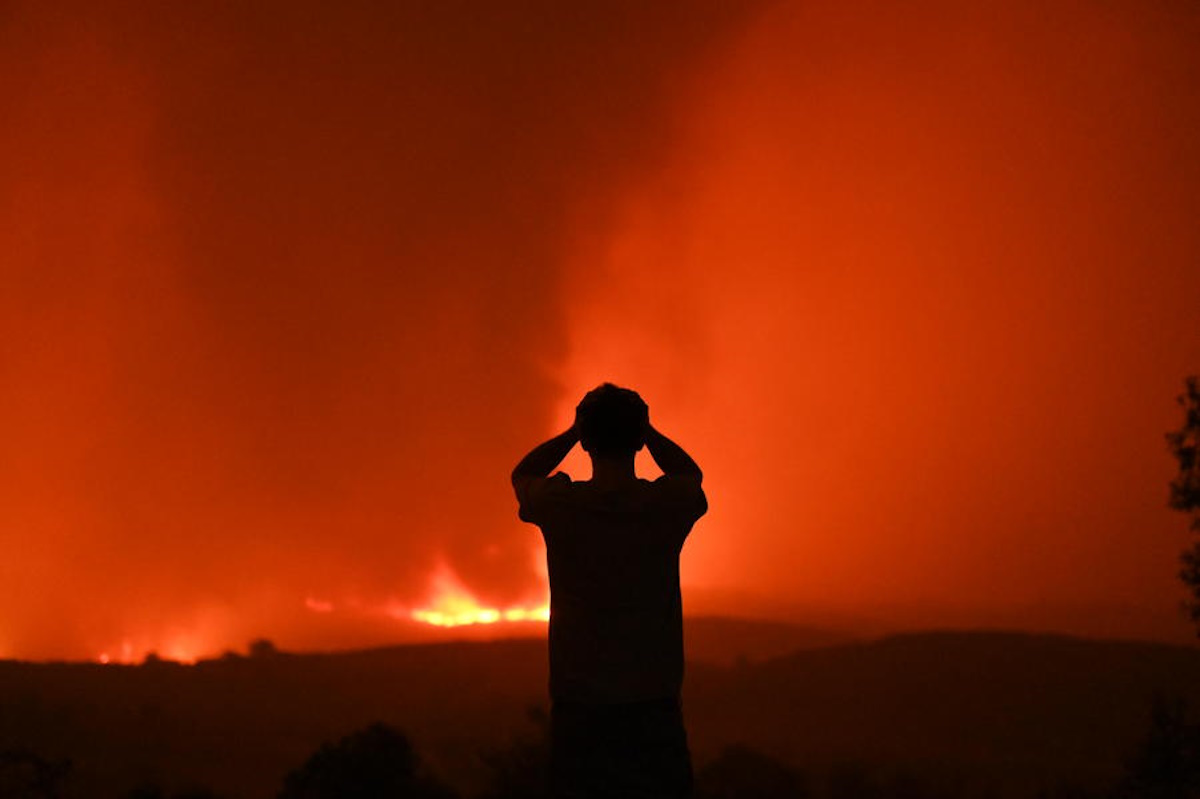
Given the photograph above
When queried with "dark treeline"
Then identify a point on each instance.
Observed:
(380, 762)
(987, 715)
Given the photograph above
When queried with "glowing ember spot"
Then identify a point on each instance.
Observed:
(318, 605)
(177, 648)
(453, 605)
(180, 653)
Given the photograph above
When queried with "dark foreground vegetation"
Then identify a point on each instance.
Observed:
(937, 715)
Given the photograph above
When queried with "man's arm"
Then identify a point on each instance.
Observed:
(545, 456)
(670, 457)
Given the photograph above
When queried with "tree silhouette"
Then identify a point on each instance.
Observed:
(262, 648)
(1167, 762)
(25, 775)
(374, 763)
(1185, 488)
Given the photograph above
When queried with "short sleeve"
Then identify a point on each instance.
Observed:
(537, 496)
(681, 497)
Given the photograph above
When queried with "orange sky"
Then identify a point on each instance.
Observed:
(286, 295)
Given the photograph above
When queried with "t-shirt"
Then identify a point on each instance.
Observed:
(616, 619)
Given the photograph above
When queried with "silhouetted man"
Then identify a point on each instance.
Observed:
(616, 623)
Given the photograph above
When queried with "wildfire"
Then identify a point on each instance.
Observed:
(450, 604)
(453, 605)
(178, 649)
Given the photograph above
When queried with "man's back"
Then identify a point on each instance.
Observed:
(616, 626)
(612, 553)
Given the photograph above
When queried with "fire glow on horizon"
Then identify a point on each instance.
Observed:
(450, 604)
(179, 649)
(454, 605)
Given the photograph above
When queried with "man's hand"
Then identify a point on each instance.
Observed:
(669, 456)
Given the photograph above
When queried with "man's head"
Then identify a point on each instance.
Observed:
(611, 422)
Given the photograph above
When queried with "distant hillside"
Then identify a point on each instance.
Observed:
(1010, 711)
(727, 641)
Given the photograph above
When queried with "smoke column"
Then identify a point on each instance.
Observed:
(283, 297)
(918, 285)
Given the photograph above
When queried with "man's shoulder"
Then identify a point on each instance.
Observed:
(686, 487)
(535, 493)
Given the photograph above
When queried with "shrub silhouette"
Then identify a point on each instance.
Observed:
(374, 763)
(519, 770)
(743, 773)
(859, 780)
(155, 792)
(1167, 763)
(25, 774)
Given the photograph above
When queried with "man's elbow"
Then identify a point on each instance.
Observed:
(518, 476)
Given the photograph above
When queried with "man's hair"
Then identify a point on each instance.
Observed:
(611, 421)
